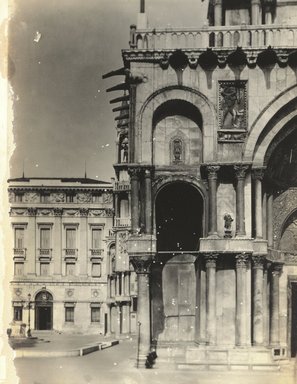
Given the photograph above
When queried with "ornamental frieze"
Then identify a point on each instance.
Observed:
(31, 197)
(57, 198)
(83, 197)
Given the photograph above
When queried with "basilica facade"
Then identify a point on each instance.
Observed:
(207, 137)
(196, 239)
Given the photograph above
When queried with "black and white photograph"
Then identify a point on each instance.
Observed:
(149, 192)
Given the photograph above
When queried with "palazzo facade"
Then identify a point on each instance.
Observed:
(207, 143)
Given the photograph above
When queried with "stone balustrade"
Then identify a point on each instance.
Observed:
(19, 253)
(70, 253)
(218, 37)
(122, 222)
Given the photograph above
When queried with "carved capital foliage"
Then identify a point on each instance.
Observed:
(213, 171)
(258, 261)
(148, 173)
(211, 260)
(258, 173)
(141, 264)
(242, 260)
(84, 212)
(277, 268)
(32, 211)
(240, 171)
(134, 172)
(58, 211)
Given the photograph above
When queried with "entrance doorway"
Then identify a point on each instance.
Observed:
(179, 227)
(179, 217)
(294, 320)
(43, 311)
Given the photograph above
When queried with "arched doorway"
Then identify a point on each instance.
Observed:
(179, 218)
(179, 226)
(43, 311)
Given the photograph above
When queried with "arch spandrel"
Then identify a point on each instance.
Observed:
(254, 151)
(144, 120)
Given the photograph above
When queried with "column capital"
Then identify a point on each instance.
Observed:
(84, 212)
(211, 260)
(134, 172)
(32, 211)
(213, 171)
(258, 173)
(277, 268)
(242, 260)
(148, 173)
(58, 211)
(240, 171)
(141, 264)
(258, 261)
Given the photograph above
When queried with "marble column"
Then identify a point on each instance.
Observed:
(108, 328)
(58, 241)
(116, 205)
(134, 199)
(218, 12)
(270, 220)
(264, 216)
(142, 266)
(240, 172)
(118, 327)
(212, 185)
(148, 201)
(258, 175)
(274, 319)
(210, 264)
(256, 20)
(258, 308)
(241, 299)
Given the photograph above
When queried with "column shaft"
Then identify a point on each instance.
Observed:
(218, 12)
(212, 184)
(211, 298)
(274, 320)
(241, 300)
(258, 318)
(134, 200)
(256, 12)
(240, 171)
(148, 202)
(270, 220)
(264, 216)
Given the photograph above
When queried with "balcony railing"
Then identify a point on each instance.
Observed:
(245, 36)
(70, 253)
(122, 222)
(45, 253)
(19, 253)
(122, 186)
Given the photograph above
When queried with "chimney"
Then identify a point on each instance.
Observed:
(141, 17)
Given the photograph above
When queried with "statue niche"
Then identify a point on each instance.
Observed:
(177, 151)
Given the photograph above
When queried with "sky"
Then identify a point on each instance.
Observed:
(58, 52)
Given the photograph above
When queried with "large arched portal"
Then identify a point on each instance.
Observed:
(179, 217)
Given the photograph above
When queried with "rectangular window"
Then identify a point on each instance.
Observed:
(134, 304)
(96, 269)
(70, 269)
(19, 238)
(69, 314)
(45, 238)
(70, 238)
(18, 269)
(18, 313)
(96, 238)
(95, 315)
(44, 269)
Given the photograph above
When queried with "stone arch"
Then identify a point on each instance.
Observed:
(255, 153)
(144, 120)
(161, 182)
(292, 216)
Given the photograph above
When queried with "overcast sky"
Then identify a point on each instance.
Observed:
(62, 115)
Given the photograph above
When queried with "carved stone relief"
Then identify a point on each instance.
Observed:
(84, 197)
(57, 197)
(31, 197)
(232, 99)
(107, 198)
